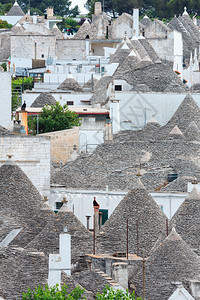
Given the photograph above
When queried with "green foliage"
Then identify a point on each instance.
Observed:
(4, 24)
(53, 118)
(4, 8)
(4, 66)
(18, 86)
(53, 293)
(109, 293)
(152, 8)
(26, 83)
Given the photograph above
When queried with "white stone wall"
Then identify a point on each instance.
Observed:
(136, 109)
(81, 201)
(23, 46)
(32, 155)
(60, 97)
(70, 49)
(5, 99)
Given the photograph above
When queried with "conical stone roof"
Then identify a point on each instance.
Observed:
(192, 132)
(176, 132)
(187, 220)
(44, 99)
(57, 32)
(136, 205)
(20, 205)
(172, 261)
(84, 31)
(88, 84)
(187, 112)
(15, 10)
(146, 21)
(120, 54)
(48, 239)
(70, 84)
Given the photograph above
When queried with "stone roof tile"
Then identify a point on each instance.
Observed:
(136, 205)
(172, 261)
(44, 99)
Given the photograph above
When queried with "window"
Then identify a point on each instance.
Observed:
(42, 55)
(118, 88)
(59, 205)
(70, 102)
(104, 215)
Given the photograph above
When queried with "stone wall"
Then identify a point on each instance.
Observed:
(32, 46)
(32, 155)
(62, 143)
(70, 49)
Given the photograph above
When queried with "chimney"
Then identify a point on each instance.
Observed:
(29, 12)
(62, 261)
(96, 214)
(97, 8)
(49, 12)
(23, 117)
(34, 16)
(136, 22)
(120, 273)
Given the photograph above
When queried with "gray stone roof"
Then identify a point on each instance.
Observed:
(187, 220)
(44, 99)
(149, 49)
(22, 268)
(195, 88)
(157, 76)
(70, 84)
(88, 84)
(189, 34)
(136, 205)
(100, 90)
(115, 163)
(187, 112)
(57, 32)
(16, 193)
(84, 31)
(178, 185)
(146, 21)
(120, 54)
(173, 261)
(15, 10)
(192, 132)
(48, 239)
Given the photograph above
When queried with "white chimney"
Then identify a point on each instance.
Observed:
(136, 22)
(62, 261)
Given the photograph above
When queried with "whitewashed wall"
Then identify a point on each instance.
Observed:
(81, 201)
(32, 155)
(5, 99)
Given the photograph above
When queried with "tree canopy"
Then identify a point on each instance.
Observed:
(61, 7)
(53, 293)
(153, 8)
(53, 118)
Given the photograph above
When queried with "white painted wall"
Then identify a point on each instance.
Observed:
(81, 201)
(32, 155)
(59, 96)
(11, 19)
(136, 109)
(5, 99)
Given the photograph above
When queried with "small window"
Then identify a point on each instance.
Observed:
(42, 55)
(118, 88)
(70, 102)
(59, 205)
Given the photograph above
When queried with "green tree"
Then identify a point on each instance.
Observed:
(18, 86)
(53, 293)
(53, 118)
(109, 293)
